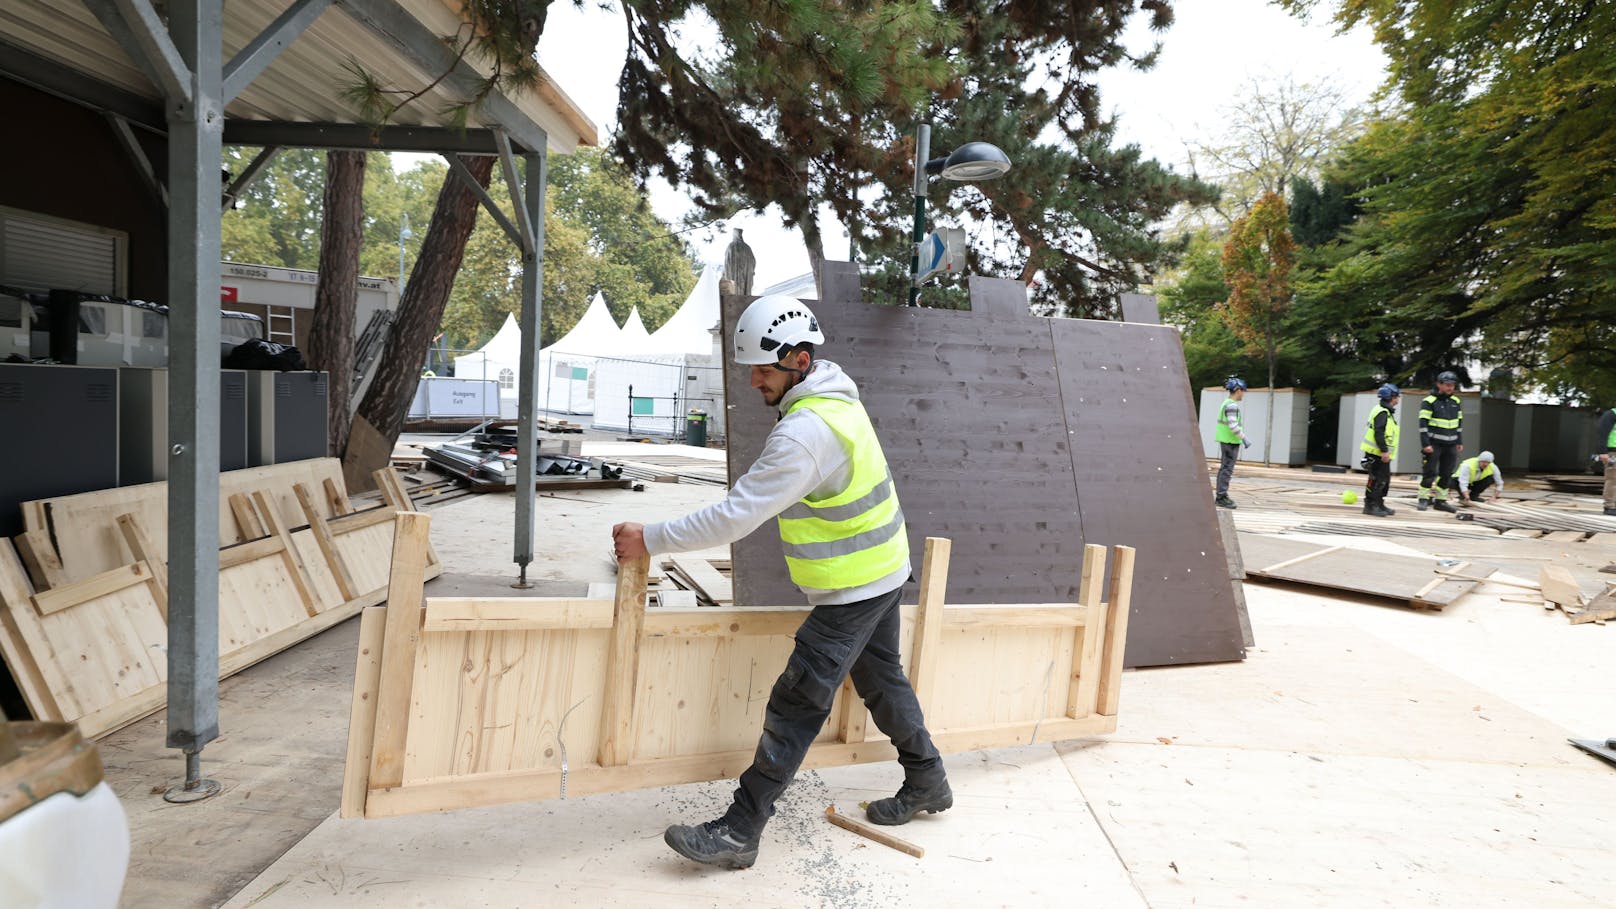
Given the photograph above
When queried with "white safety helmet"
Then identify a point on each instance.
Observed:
(1485, 456)
(770, 326)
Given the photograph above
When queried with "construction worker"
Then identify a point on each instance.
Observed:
(1478, 475)
(1607, 433)
(1440, 443)
(823, 474)
(1231, 437)
(1380, 449)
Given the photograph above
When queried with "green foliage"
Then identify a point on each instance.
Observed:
(1489, 202)
(600, 235)
(823, 102)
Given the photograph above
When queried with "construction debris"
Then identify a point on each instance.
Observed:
(873, 833)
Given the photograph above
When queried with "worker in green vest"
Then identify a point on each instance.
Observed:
(1231, 437)
(1476, 476)
(1606, 434)
(1380, 449)
(823, 475)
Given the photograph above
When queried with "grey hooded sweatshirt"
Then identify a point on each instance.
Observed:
(801, 457)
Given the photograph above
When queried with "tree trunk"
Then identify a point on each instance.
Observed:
(336, 297)
(420, 313)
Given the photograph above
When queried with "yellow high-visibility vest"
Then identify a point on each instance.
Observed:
(1391, 432)
(857, 535)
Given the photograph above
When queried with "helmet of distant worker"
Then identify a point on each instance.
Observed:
(1234, 384)
(1446, 382)
(1388, 392)
(772, 327)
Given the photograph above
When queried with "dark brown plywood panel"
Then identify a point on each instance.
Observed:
(1141, 478)
(995, 424)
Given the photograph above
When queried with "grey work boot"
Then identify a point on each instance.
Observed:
(713, 843)
(1440, 505)
(1224, 501)
(1424, 504)
(909, 802)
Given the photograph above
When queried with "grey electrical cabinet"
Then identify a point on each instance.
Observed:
(143, 423)
(286, 416)
(61, 425)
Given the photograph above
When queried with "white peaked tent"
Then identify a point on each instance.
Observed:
(690, 329)
(656, 366)
(499, 360)
(567, 367)
(635, 339)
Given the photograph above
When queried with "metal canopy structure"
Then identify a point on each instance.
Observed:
(204, 74)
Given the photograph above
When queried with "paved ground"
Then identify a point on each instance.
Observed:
(1363, 755)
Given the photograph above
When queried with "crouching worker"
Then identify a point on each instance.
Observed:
(823, 475)
(1476, 476)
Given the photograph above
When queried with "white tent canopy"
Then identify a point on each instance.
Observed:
(567, 367)
(499, 360)
(689, 329)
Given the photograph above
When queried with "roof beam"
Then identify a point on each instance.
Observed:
(69, 84)
(507, 166)
(137, 154)
(459, 169)
(427, 52)
(142, 35)
(259, 53)
(254, 168)
(356, 137)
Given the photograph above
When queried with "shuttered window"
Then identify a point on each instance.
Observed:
(43, 253)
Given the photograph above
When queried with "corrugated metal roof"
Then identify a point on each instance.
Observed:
(305, 83)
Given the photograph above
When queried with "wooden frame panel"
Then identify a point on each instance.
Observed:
(528, 698)
(91, 649)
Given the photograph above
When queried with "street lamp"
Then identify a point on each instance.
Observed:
(970, 163)
(403, 234)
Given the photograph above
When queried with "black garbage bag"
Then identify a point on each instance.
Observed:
(256, 353)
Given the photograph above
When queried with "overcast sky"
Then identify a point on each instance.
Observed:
(1213, 49)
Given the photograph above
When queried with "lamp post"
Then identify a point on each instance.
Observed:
(403, 234)
(970, 163)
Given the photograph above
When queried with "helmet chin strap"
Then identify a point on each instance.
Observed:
(799, 373)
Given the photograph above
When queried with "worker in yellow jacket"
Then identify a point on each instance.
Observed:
(1380, 449)
(823, 475)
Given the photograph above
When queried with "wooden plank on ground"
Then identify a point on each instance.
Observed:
(706, 578)
(1559, 586)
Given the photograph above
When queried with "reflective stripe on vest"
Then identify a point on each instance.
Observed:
(1226, 435)
(1391, 432)
(857, 535)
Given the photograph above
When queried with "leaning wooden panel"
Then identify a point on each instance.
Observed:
(84, 527)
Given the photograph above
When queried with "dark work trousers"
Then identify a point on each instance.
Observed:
(1380, 479)
(1228, 452)
(1437, 471)
(1477, 487)
(860, 637)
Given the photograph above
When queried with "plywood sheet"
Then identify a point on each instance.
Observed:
(1412, 580)
(1021, 439)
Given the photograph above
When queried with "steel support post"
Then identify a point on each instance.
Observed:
(527, 439)
(195, 144)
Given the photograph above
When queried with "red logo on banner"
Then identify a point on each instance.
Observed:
(227, 294)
